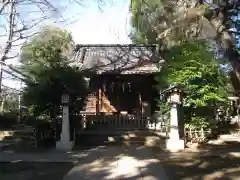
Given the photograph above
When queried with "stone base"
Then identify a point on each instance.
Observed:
(174, 145)
(64, 146)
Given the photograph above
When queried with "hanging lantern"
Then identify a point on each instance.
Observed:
(112, 86)
(104, 86)
(87, 80)
(129, 86)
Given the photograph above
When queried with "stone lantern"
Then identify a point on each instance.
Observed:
(65, 143)
(174, 143)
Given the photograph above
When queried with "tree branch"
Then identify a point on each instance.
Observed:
(28, 27)
(3, 5)
(7, 47)
(8, 57)
(234, 32)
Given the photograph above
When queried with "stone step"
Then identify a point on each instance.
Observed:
(24, 132)
(8, 144)
(20, 147)
(149, 140)
(136, 138)
(4, 145)
(22, 138)
(117, 138)
(4, 134)
(127, 143)
(21, 126)
(16, 133)
(142, 132)
(135, 142)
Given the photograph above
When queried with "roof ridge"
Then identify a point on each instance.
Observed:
(116, 45)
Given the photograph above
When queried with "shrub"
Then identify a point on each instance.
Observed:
(8, 119)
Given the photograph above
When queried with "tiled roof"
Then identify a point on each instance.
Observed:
(117, 58)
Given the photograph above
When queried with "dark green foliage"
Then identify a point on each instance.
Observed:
(144, 14)
(51, 48)
(46, 93)
(8, 119)
(45, 60)
(193, 65)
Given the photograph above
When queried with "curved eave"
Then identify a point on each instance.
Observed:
(153, 68)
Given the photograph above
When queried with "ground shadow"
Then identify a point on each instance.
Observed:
(210, 165)
(117, 162)
(136, 161)
(215, 162)
(98, 160)
(212, 161)
(34, 170)
(25, 140)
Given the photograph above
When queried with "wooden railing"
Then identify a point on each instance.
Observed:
(196, 135)
(106, 121)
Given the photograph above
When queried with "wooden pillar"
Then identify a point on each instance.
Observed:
(139, 114)
(100, 100)
(97, 95)
(97, 101)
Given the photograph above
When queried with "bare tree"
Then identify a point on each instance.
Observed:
(18, 20)
(21, 19)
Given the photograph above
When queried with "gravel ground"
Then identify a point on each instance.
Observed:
(212, 167)
(220, 162)
(33, 171)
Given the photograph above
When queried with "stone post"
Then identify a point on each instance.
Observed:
(64, 143)
(174, 143)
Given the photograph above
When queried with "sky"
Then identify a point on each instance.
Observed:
(92, 23)
(106, 26)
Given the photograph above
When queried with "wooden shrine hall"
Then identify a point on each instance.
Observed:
(123, 93)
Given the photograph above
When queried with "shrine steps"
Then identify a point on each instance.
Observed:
(18, 136)
(121, 137)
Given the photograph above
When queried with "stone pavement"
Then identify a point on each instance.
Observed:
(8, 156)
(115, 163)
(102, 163)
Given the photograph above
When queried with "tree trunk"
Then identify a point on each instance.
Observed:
(231, 52)
(220, 24)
